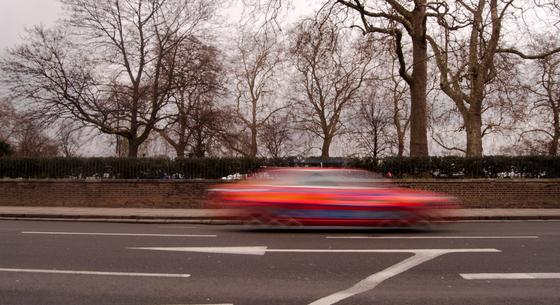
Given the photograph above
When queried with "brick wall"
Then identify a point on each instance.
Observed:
(114, 193)
(474, 193)
(496, 193)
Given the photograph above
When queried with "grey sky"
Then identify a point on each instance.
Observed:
(16, 15)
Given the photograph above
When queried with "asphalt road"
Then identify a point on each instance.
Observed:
(108, 263)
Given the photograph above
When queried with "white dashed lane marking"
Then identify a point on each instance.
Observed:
(117, 234)
(509, 276)
(433, 237)
(82, 272)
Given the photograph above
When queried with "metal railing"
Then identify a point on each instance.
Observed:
(217, 168)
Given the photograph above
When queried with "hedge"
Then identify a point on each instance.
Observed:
(5, 149)
(215, 168)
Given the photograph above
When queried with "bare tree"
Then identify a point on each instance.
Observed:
(277, 135)
(471, 66)
(401, 119)
(255, 80)
(105, 67)
(329, 74)
(7, 121)
(71, 136)
(546, 107)
(31, 140)
(467, 65)
(394, 18)
(373, 122)
(381, 117)
(196, 76)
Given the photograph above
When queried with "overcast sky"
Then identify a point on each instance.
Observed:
(16, 15)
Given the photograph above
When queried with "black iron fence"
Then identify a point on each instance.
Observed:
(216, 168)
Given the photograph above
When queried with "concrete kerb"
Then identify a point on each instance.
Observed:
(212, 217)
(125, 220)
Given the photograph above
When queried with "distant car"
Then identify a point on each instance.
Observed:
(333, 197)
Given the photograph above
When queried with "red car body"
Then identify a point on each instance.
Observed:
(318, 196)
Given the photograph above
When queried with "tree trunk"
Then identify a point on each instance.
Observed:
(400, 151)
(253, 149)
(553, 148)
(199, 149)
(473, 126)
(375, 143)
(326, 147)
(133, 146)
(418, 112)
(180, 150)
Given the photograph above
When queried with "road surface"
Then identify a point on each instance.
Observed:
(515, 262)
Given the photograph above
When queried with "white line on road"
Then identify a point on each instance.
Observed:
(433, 237)
(375, 279)
(420, 256)
(509, 276)
(81, 272)
(117, 234)
(262, 250)
(176, 227)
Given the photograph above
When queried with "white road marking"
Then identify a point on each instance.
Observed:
(176, 227)
(420, 256)
(375, 279)
(81, 272)
(117, 234)
(509, 276)
(262, 250)
(221, 250)
(434, 237)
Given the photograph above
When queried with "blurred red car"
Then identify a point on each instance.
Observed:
(318, 196)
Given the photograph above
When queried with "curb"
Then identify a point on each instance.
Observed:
(213, 221)
(118, 219)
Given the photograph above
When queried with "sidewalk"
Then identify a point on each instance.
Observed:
(213, 216)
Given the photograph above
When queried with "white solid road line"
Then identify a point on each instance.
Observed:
(117, 234)
(420, 256)
(262, 250)
(170, 226)
(375, 279)
(81, 272)
(433, 237)
(509, 276)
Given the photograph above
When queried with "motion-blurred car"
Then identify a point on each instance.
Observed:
(318, 196)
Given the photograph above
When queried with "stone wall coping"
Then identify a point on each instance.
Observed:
(395, 180)
(460, 180)
(112, 180)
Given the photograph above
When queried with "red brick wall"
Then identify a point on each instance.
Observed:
(114, 193)
(475, 193)
(496, 193)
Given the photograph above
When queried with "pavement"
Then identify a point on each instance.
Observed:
(212, 216)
